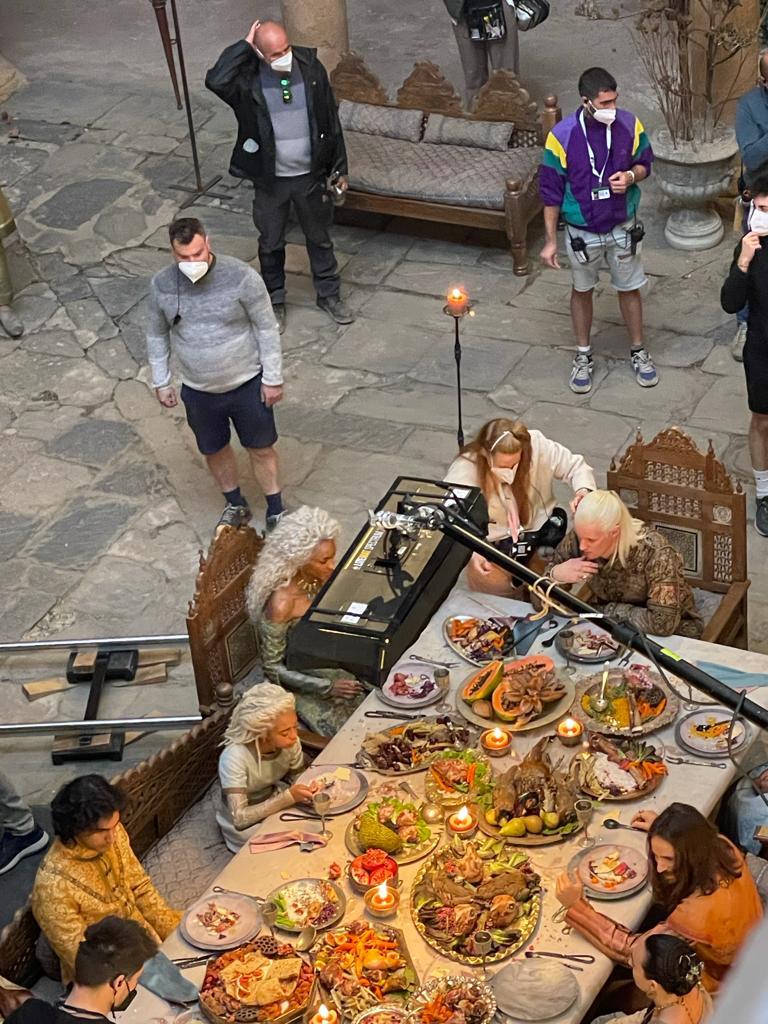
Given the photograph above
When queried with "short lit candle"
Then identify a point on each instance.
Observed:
(463, 822)
(457, 301)
(382, 900)
(496, 741)
(570, 731)
(324, 1016)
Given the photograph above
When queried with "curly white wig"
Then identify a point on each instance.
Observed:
(285, 551)
(255, 714)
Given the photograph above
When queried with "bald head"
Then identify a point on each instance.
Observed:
(271, 40)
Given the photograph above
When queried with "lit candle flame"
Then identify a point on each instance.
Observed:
(383, 891)
(497, 733)
(456, 294)
(463, 816)
(323, 1012)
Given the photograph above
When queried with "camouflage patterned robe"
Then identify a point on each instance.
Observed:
(650, 591)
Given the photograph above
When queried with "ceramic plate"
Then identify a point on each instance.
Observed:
(347, 787)
(460, 650)
(569, 647)
(243, 930)
(417, 673)
(308, 901)
(481, 995)
(590, 687)
(535, 989)
(599, 861)
(437, 793)
(529, 839)
(690, 735)
(407, 855)
(551, 713)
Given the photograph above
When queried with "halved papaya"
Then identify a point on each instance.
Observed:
(524, 674)
(481, 685)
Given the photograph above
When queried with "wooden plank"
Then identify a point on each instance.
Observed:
(85, 661)
(159, 655)
(144, 676)
(45, 687)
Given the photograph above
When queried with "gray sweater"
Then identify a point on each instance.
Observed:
(227, 332)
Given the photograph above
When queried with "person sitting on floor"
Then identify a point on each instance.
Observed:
(108, 963)
(298, 557)
(668, 972)
(632, 571)
(261, 754)
(701, 882)
(91, 871)
(515, 469)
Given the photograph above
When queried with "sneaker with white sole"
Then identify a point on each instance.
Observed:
(737, 345)
(581, 374)
(643, 366)
(272, 521)
(235, 515)
(14, 848)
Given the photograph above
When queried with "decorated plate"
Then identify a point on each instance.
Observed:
(457, 777)
(706, 732)
(586, 643)
(638, 702)
(308, 901)
(610, 871)
(411, 747)
(479, 640)
(221, 920)
(407, 854)
(455, 994)
(382, 1013)
(347, 787)
(549, 713)
(619, 770)
(534, 990)
(529, 838)
(411, 684)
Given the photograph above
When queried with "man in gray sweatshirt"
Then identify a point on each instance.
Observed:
(214, 314)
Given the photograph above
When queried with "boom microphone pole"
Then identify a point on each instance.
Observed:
(425, 517)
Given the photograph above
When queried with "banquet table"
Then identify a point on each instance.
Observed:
(703, 787)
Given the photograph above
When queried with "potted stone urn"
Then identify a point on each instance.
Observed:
(692, 174)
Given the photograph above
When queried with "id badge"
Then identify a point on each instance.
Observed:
(600, 193)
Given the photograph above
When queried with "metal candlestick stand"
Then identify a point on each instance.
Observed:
(200, 188)
(457, 315)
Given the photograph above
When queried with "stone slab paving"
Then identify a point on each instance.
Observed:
(106, 504)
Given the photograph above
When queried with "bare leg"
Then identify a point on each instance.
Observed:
(266, 468)
(223, 467)
(631, 306)
(758, 441)
(581, 316)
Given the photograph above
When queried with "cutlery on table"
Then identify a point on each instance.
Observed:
(551, 639)
(612, 823)
(391, 714)
(674, 759)
(431, 661)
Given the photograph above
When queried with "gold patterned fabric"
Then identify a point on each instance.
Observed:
(650, 591)
(75, 887)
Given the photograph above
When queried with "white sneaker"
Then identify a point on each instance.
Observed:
(737, 345)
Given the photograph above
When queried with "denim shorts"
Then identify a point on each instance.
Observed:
(612, 249)
(209, 416)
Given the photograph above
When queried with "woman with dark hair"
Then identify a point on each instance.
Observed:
(701, 882)
(515, 469)
(91, 871)
(668, 972)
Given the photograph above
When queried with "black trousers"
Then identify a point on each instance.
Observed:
(314, 212)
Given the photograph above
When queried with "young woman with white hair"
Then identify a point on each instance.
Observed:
(632, 571)
(261, 754)
(298, 557)
(516, 468)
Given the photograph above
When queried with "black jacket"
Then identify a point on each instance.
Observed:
(740, 288)
(236, 79)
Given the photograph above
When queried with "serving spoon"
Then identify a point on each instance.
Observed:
(611, 823)
(306, 938)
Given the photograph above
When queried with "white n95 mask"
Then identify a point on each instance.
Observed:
(758, 221)
(607, 116)
(507, 476)
(194, 269)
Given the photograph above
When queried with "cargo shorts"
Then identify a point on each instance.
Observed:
(612, 250)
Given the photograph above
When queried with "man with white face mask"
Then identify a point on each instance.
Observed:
(213, 312)
(747, 284)
(593, 161)
(289, 144)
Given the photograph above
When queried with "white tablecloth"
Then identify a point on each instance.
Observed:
(260, 873)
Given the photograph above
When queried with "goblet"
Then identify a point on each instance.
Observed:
(321, 802)
(583, 810)
(483, 942)
(269, 912)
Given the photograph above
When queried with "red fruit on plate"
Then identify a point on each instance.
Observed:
(373, 858)
(380, 875)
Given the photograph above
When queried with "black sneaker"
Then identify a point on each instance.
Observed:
(235, 515)
(15, 848)
(272, 521)
(761, 516)
(337, 310)
(279, 310)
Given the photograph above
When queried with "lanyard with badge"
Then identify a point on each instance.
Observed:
(602, 191)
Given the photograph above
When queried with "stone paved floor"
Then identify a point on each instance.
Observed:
(106, 503)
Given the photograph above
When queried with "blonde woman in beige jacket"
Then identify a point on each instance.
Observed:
(515, 468)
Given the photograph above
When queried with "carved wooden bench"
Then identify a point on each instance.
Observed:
(474, 185)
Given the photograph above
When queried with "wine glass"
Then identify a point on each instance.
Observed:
(483, 942)
(583, 810)
(269, 912)
(321, 801)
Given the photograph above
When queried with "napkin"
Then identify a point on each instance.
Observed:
(734, 677)
(279, 840)
(164, 978)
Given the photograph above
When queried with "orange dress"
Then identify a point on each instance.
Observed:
(715, 925)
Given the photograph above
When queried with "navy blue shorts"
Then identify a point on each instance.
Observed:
(209, 414)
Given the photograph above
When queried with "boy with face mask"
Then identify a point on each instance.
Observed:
(107, 967)
(593, 161)
(747, 284)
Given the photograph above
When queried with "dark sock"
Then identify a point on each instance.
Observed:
(274, 503)
(234, 497)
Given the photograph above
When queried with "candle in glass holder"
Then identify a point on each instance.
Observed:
(569, 732)
(496, 742)
(457, 301)
(324, 1016)
(382, 901)
(463, 823)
